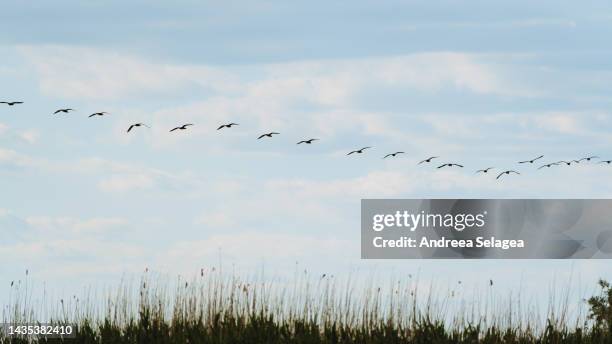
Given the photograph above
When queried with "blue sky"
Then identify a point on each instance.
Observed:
(485, 84)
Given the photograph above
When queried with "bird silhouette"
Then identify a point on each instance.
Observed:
(229, 125)
(393, 154)
(568, 163)
(486, 170)
(359, 151)
(531, 161)
(506, 172)
(549, 165)
(309, 141)
(605, 162)
(137, 125)
(449, 165)
(63, 110)
(588, 158)
(428, 159)
(267, 135)
(98, 114)
(11, 103)
(182, 127)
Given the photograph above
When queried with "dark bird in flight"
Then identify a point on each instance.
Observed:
(63, 110)
(449, 165)
(393, 154)
(359, 151)
(11, 103)
(309, 141)
(428, 159)
(137, 125)
(491, 282)
(588, 158)
(568, 163)
(182, 127)
(485, 170)
(267, 135)
(98, 114)
(229, 125)
(605, 162)
(549, 165)
(506, 172)
(531, 161)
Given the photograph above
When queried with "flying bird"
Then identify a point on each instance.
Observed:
(267, 135)
(98, 114)
(548, 165)
(485, 170)
(428, 159)
(229, 125)
(449, 165)
(137, 125)
(393, 154)
(568, 163)
(309, 141)
(11, 103)
(359, 151)
(182, 127)
(606, 162)
(588, 158)
(63, 110)
(506, 172)
(531, 161)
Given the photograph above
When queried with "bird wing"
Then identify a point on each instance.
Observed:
(174, 129)
(442, 166)
(4, 102)
(221, 127)
(93, 114)
(274, 133)
(540, 157)
(458, 165)
(388, 155)
(261, 136)
(58, 111)
(188, 124)
(130, 128)
(300, 142)
(352, 152)
(522, 162)
(515, 172)
(499, 175)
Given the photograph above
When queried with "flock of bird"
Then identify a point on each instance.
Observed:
(357, 151)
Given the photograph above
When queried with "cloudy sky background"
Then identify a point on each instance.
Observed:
(485, 84)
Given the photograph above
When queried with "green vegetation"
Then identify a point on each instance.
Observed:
(214, 309)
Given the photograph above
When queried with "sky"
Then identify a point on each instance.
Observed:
(484, 84)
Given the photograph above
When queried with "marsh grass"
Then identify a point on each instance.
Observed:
(214, 307)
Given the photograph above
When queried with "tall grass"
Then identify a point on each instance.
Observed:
(214, 307)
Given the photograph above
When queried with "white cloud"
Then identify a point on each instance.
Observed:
(74, 226)
(559, 122)
(30, 136)
(250, 246)
(75, 72)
